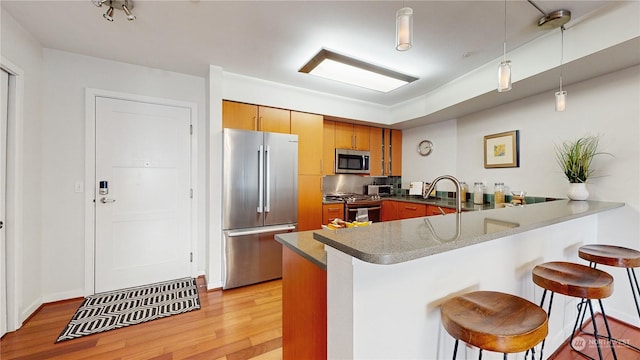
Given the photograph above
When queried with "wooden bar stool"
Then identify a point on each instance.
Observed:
(579, 281)
(494, 321)
(615, 256)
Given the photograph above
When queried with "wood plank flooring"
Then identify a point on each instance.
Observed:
(243, 323)
(238, 324)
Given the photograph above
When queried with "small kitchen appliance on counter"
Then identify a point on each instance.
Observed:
(381, 190)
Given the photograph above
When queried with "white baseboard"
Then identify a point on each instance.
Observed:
(65, 295)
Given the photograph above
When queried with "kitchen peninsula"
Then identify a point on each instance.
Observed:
(385, 282)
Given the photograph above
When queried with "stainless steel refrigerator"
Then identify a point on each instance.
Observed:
(260, 200)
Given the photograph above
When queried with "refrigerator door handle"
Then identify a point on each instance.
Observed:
(234, 233)
(267, 189)
(260, 178)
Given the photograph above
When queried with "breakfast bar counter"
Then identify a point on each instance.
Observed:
(385, 282)
(394, 242)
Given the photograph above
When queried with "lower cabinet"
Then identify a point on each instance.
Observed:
(408, 210)
(435, 210)
(332, 211)
(304, 308)
(389, 211)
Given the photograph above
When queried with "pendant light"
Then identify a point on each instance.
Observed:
(504, 69)
(404, 29)
(561, 95)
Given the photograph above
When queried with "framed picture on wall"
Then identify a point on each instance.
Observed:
(502, 150)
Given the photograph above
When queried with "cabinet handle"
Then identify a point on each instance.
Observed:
(411, 208)
(259, 123)
(333, 209)
(255, 122)
(321, 166)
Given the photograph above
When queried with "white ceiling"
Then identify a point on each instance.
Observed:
(271, 40)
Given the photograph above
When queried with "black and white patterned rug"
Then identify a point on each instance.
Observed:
(120, 308)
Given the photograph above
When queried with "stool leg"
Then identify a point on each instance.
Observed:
(480, 355)
(606, 324)
(635, 290)
(595, 331)
(533, 352)
(504, 356)
(455, 349)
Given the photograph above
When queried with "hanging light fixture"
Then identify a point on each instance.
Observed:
(504, 69)
(561, 95)
(404, 29)
(109, 14)
(125, 5)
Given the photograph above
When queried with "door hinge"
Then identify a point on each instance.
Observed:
(191, 257)
(191, 193)
(190, 129)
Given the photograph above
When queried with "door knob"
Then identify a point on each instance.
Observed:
(105, 200)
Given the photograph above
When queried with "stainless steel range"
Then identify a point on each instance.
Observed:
(353, 202)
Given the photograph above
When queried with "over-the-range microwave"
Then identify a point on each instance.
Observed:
(352, 161)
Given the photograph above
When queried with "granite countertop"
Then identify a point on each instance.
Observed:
(305, 245)
(398, 241)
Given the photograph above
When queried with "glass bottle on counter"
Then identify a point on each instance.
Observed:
(478, 193)
(498, 193)
(463, 191)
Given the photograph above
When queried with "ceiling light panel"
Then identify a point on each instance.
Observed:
(334, 66)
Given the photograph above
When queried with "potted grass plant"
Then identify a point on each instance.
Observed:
(575, 158)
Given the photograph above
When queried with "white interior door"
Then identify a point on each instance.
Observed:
(4, 101)
(142, 225)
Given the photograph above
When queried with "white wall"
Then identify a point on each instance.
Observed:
(66, 77)
(21, 49)
(607, 105)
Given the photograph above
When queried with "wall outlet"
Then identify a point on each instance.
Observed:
(79, 187)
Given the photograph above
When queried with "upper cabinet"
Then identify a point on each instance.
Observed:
(274, 120)
(386, 152)
(351, 136)
(237, 115)
(392, 152)
(376, 162)
(309, 128)
(328, 147)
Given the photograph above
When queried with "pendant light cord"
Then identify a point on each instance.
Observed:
(505, 31)
(561, 53)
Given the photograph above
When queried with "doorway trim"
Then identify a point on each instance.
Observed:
(90, 173)
(14, 205)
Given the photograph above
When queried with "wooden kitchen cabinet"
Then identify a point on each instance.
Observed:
(332, 211)
(309, 202)
(351, 136)
(392, 152)
(243, 116)
(408, 210)
(389, 211)
(328, 147)
(309, 128)
(274, 120)
(304, 308)
(435, 210)
(376, 151)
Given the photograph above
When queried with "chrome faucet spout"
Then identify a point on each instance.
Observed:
(455, 182)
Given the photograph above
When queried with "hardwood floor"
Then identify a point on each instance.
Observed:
(243, 323)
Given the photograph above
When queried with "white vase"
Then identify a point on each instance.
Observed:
(578, 191)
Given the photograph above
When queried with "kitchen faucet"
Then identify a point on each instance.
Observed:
(455, 182)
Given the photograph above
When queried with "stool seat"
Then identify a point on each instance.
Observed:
(610, 255)
(495, 321)
(574, 280)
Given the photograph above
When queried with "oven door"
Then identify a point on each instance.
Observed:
(351, 211)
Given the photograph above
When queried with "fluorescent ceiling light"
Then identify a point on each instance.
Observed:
(333, 66)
